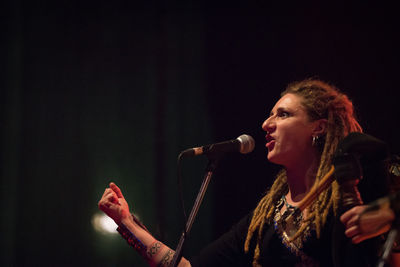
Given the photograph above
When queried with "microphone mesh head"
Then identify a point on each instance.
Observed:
(246, 143)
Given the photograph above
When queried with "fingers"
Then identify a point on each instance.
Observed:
(353, 221)
(350, 219)
(108, 199)
(352, 231)
(111, 196)
(351, 216)
(346, 216)
(116, 189)
(361, 229)
(364, 236)
(358, 238)
(356, 234)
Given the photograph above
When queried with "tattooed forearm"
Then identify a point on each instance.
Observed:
(166, 260)
(154, 249)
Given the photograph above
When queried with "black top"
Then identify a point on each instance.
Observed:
(331, 249)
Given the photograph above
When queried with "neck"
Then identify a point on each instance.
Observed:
(301, 178)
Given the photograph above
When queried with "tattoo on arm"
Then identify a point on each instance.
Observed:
(154, 249)
(166, 260)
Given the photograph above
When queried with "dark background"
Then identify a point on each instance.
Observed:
(104, 91)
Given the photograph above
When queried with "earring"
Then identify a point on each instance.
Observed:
(315, 139)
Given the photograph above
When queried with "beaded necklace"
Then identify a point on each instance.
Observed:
(288, 228)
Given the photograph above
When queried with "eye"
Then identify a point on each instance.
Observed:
(283, 114)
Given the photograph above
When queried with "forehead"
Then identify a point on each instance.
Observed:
(289, 101)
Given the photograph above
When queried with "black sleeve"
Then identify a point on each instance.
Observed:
(228, 250)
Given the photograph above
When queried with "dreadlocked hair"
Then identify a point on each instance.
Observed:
(321, 101)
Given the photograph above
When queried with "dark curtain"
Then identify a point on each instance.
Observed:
(97, 92)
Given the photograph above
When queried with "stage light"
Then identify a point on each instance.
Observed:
(104, 224)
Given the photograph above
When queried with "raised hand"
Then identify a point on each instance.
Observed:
(114, 204)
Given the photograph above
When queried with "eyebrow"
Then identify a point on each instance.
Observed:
(280, 109)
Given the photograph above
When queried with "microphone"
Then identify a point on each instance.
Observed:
(243, 144)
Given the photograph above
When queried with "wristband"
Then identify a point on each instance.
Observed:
(132, 239)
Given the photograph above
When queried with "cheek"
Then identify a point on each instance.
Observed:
(295, 136)
(288, 145)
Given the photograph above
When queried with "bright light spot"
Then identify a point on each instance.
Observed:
(104, 224)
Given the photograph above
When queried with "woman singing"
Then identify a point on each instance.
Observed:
(303, 130)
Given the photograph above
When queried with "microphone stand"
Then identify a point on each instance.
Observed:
(212, 164)
(393, 233)
(387, 247)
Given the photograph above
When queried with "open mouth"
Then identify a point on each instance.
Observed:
(270, 142)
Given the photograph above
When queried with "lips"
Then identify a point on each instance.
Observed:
(270, 142)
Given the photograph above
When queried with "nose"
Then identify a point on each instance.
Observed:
(269, 124)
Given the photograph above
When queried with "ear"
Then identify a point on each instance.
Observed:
(320, 126)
